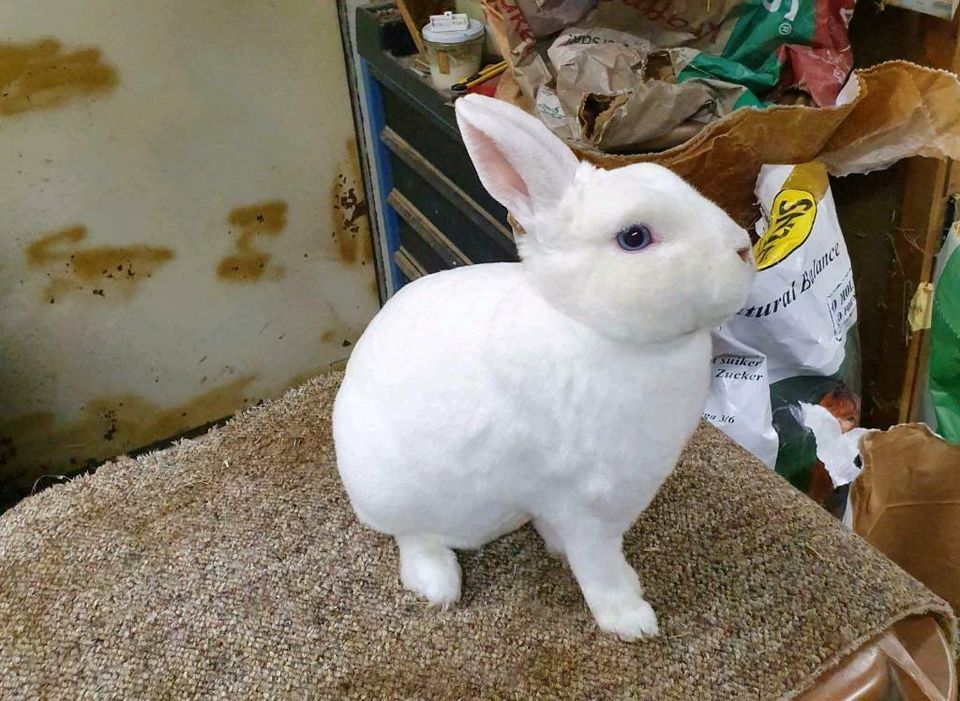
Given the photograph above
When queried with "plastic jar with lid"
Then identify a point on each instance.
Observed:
(454, 55)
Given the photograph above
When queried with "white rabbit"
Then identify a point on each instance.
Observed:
(560, 389)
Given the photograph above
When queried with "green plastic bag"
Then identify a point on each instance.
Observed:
(783, 44)
(944, 367)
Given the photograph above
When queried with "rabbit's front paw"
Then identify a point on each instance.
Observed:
(629, 620)
(430, 570)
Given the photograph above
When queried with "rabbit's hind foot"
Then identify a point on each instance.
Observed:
(429, 569)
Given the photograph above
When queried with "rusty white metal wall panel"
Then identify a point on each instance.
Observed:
(184, 230)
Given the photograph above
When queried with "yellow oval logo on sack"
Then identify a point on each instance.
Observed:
(791, 221)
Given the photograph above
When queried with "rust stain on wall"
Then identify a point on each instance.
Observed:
(351, 220)
(41, 75)
(248, 263)
(34, 444)
(99, 271)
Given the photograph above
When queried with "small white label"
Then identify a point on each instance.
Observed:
(449, 22)
(842, 303)
(549, 108)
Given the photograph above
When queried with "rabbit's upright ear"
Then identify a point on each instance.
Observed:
(520, 162)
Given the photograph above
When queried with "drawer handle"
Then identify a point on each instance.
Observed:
(409, 266)
(444, 247)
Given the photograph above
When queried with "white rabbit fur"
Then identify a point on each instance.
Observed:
(560, 389)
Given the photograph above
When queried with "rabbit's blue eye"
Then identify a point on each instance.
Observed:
(635, 238)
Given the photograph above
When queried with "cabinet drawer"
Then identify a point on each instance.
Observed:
(418, 251)
(424, 242)
(446, 153)
(477, 243)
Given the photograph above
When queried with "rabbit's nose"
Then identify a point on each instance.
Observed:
(744, 254)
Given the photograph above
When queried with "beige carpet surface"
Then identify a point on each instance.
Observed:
(231, 566)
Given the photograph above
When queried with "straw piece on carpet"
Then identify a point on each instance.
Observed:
(231, 566)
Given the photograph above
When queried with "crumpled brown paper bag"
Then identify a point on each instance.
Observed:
(617, 90)
(895, 110)
(906, 503)
(885, 113)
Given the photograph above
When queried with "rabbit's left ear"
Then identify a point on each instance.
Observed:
(519, 160)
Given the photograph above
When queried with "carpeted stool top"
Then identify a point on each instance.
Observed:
(232, 566)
